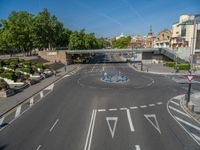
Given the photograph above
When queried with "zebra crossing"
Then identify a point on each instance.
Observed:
(184, 119)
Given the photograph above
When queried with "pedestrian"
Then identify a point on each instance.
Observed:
(55, 73)
(65, 67)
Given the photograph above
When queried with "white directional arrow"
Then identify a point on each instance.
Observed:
(150, 118)
(112, 129)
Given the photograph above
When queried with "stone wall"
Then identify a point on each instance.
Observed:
(55, 56)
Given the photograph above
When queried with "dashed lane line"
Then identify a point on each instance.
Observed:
(113, 109)
(51, 129)
(137, 147)
(134, 107)
(151, 105)
(39, 147)
(143, 106)
(100, 110)
(180, 112)
(159, 103)
(123, 108)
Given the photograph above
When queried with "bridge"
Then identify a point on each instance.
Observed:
(155, 51)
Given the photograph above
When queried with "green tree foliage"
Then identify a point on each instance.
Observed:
(17, 31)
(48, 30)
(103, 43)
(122, 42)
(23, 31)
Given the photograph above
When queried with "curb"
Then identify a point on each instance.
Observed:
(35, 94)
(191, 114)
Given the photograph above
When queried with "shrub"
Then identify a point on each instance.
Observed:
(170, 64)
(27, 63)
(183, 66)
(8, 75)
(2, 63)
(14, 61)
(27, 70)
(3, 84)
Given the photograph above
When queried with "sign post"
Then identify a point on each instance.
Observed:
(190, 78)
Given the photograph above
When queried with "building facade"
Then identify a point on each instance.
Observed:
(182, 34)
(137, 41)
(163, 39)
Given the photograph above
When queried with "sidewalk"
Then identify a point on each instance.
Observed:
(10, 102)
(158, 69)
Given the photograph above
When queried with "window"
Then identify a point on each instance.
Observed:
(183, 30)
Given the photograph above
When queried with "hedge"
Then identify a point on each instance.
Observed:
(10, 76)
(179, 66)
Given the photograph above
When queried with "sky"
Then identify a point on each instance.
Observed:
(108, 18)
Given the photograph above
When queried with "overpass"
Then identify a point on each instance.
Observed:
(155, 51)
(147, 54)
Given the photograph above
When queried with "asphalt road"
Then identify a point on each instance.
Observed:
(84, 113)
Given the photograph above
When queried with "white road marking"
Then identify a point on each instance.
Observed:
(51, 129)
(67, 75)
(89, 130)
(196, 137)
(113, 109)
(112, 130)
(123, 109)
(156, 125)
(137, 147)
(134, 107)
(39, 147)
(130, 120)
(93, 68)
(100, 110)
(187, 123)
(102, 68)
(182, 125)
(41, 94)
(18, 111)
(179, 111)
(151, 105)
(93, 123)
(50, 87)
(31, 101)
(177, 104)
(159, 103)
(1, 120)
(143, 106)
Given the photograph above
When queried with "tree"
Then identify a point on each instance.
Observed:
(122, 42)
(47, 30)
(17, 31)
(103, 43)
(64, 37)
(90, 41)
(77, 40)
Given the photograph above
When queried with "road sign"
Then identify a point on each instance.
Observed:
(190, 78)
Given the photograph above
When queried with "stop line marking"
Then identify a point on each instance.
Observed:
(132, 107)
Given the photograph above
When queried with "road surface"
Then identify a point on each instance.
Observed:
(84, 113)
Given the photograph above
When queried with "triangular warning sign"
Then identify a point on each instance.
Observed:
(112, 128)
(190, 77)
(152, 119)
